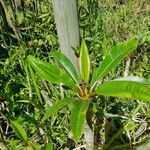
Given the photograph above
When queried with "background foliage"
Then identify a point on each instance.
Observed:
(27, 27)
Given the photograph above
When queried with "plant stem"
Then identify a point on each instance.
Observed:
(61, 91)
(67, 27)
(89, 137)
(126, 72)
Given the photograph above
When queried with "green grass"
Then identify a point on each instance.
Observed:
(24, 96)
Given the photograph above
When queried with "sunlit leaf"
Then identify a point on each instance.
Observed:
(78, 116)
(84, 62)
(125, 89)
(59, 104)
(116, 55)
(50, 72)
(48, 146)
(67, 64)
(134, 78)
(34, 146)
(19, 130)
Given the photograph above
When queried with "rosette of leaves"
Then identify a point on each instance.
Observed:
(83, 87)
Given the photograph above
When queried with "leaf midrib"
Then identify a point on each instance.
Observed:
(110, 64)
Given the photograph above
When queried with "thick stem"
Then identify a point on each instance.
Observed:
(66, 19)
(89, 137)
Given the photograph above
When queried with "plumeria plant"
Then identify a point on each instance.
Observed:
(85, 88)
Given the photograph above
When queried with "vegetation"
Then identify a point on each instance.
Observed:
(44, 100)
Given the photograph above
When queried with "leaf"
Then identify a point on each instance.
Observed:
(78, 116)
(130, 126)
(84, 62)
(43, 15)
(49, 146)
(112, 60)
(134, 78)
(19, 130)
(35, 82)
(67, 64)
(34, 146)
(55, 108)
(125, 89)
(49, 72)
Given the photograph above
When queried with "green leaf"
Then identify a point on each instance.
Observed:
(50, 72)
(55, 108)
(78, 116)
(134, 78)
(48, 146)
(67, 64)
(125, 89)
(112, 60)
(34, 146)
(35, 81)
(84, 62)
(19, 130)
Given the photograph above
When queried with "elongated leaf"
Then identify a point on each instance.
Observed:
(50, 72)
(35, 81)
(135, 78)
(78, 116)
(112, 60)
(34, 146)
(67, 64)
(84, 62)
(55, 108)
(19, 130)
(125, 89)
(48, 146)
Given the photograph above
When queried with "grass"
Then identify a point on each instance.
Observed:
(24, 96)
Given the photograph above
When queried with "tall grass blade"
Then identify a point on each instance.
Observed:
(55, 108)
